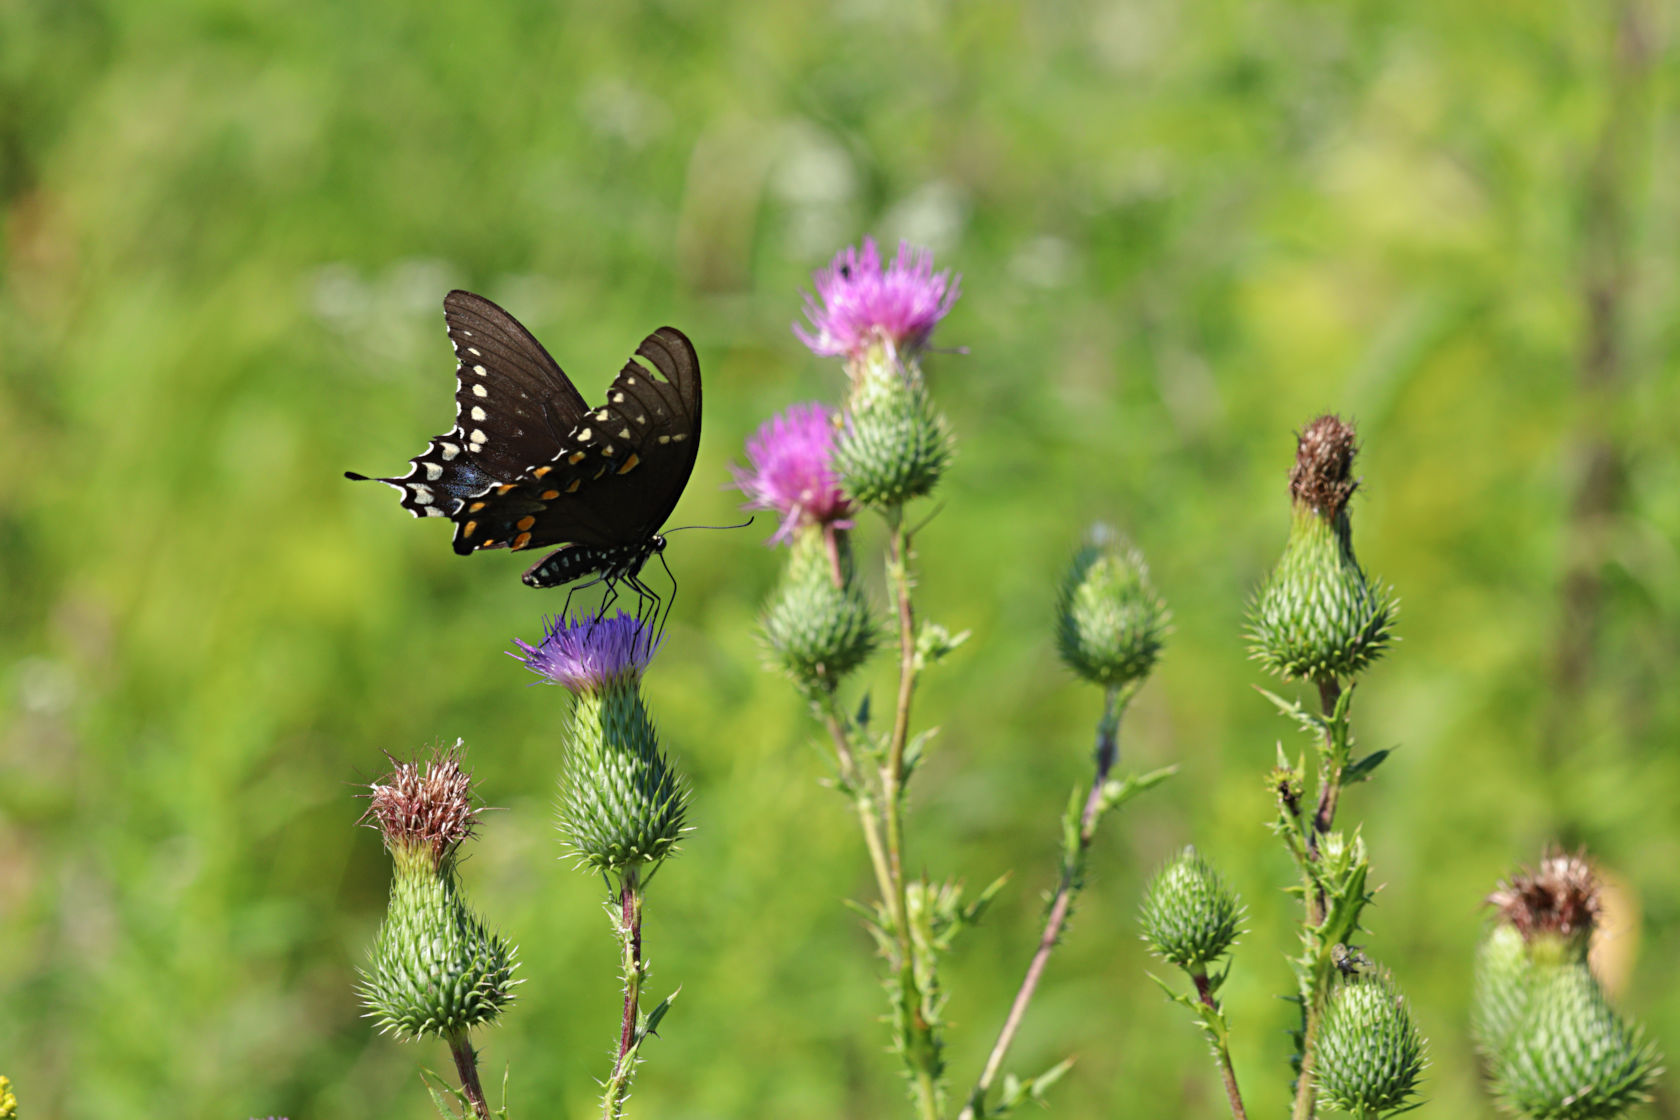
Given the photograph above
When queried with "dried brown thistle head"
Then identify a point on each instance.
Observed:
(1322, 476)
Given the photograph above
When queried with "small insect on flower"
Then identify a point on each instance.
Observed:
(790, 470)
(859, 304)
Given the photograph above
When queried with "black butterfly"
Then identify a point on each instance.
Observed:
(529, 464)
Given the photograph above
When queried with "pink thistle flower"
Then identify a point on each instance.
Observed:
(859, 302)
(585, 653)
(791, 471)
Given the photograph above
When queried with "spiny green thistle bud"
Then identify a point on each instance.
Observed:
(622, 803)
(1370, 1052)
(1557, 1050)
(8, 1102)
(817, 622)
(894, 444)
(1190, 916)
(435, 969)
(1109, 621)
(1317, 615)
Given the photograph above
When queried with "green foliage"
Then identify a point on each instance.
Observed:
(1110, 622)
(435, 968)
(1182, 228)
(1370, 1052)
(621, 802)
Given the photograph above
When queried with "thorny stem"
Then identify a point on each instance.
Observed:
(466, 1067)
(630, 933)
(1204, 991)
(892, 791)
(1312, 1008)
(863, 796)
(1106, 755)
(1330, 789)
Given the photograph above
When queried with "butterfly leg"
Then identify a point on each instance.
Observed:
(672, 601)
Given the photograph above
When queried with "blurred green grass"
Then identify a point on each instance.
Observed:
(1182, 231)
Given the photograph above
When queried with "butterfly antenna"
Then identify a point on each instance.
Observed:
(681, 528)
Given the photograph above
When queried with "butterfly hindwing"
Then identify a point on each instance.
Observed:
(616, 476)
(439, 479)
(513, 404)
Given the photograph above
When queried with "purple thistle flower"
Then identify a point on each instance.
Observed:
(857, 302)
(791, 471)
(586, 652)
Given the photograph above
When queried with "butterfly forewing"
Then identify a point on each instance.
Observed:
(513, 404)
(616, 476)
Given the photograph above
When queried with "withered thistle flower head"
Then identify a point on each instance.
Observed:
(1556, 1048)
(424, 806)
(435, 968)
(1322, 477)
(1318, 615)
(1561, 897)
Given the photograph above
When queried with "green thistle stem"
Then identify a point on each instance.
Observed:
(918, 1049)
(466, 1066)
(1312, 994)
(1330, 775)
(1204, 992)
(1106, 755)
(629, 926)
(1312, 997)
(863, 797)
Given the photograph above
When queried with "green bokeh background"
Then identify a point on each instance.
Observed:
(1183, 229)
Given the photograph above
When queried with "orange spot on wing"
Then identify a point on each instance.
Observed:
(550, 495)
(575, 457)
(527, 522)
(540, 471)
(469, 528)
(504, 488)
(475, 507)
(572, 489)
(629, 463)
(521, 541)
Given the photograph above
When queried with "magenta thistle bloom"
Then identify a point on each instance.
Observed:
(586, 652)
(792, 472)
(858, 302)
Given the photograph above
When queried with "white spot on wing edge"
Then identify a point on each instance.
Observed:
(433, 472)
(480, 390)
(478, 413)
